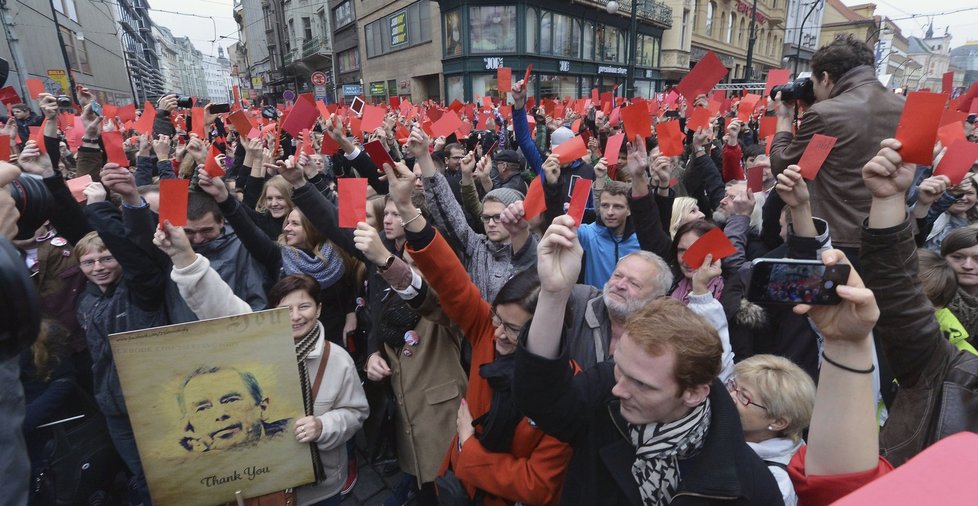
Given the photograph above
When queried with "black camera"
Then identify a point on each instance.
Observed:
(799, 89)
(269, 112)
(64, 101)
(34, 202)
(185, 102)
(20, 308)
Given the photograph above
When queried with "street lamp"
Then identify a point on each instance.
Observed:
(749, 70)
(612, 8)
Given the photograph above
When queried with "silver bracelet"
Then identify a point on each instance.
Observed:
(408, 222)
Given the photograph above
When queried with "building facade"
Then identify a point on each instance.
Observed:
(399, 40)
(168, 54)
(860, 21)
(346, 49)
(308, 49)
(192, 80)
(217, 77)
(94, 54)
(893, 63)
(933, 52)
(801, 35)
(139, 46)
(965, 58)
(724, 27)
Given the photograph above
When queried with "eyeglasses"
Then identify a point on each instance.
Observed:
(742, 396)
(486, 218)
(508, 328)
(106, 260)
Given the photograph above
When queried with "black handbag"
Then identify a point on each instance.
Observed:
(81, 463)
(451, 492)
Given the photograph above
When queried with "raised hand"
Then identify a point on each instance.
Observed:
(418, 143)
(852, 319)
(932, 188)
(885, 175)
(48, 105)
(94, 192)
(662, 168)
(367, 240)
(468, 163)
(197, 149)
(290, 171)
(792, 188)
(519, 94)
(551, 169)
(601, 170)
(512, 219)
(733, 132)
(559, 256)
(119, 180)
(161, 146)
(400, 181)
(701, 137)
(167, 103)
(638, 158)
(32, 162)
(707, 271)
(213, 186)
(144, 145)
(743, 203)
(8, 208)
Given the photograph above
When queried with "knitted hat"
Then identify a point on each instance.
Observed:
(504, 195)
(560, 136)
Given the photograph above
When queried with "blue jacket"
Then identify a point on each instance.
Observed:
(603, 250)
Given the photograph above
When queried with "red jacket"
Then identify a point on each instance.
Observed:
(533, 471)
(733, 167)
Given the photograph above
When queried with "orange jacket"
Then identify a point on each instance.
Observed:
(533, 471)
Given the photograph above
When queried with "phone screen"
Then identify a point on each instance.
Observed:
(794, 282)
(357, 105)
(220, 108)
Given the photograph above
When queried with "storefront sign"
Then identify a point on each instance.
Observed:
(320, 92)
(378, 88)
(745, 8)
(612, 70)
(564, 65)
(398, 29)
(493, 62)
(256, 82)
(352, 90)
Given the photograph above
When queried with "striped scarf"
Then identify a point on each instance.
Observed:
(658, 448)
(303, 348)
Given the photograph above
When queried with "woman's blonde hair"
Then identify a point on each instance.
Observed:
(91, 242)
(680, 207)
(283, 187)
(783, 388)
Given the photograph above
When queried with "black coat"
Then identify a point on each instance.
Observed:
(582, 411)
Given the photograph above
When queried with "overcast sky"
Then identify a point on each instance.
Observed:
(961, 25)
(199, 29)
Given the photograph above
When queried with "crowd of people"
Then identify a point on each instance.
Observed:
(519, 357)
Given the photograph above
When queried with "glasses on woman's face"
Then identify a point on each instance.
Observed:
(105, 261)
(741, 395)
(512, 331)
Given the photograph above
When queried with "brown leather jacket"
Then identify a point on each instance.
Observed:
(938, 393)
(860, 113)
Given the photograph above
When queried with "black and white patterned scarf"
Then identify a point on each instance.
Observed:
(658, 448)
(303, 347)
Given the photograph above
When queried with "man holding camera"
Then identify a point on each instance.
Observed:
(851, 105)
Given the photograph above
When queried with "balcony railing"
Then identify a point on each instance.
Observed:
(313, 46)
(649, 11)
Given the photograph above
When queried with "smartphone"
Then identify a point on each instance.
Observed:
(492, 149)
(357, 106)
(220, 108)
(97, 108)
(790, 281)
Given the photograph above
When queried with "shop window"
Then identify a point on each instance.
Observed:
(565, 37)
(400, 30)
(588, 51)
(349, 60)
(611, 44)
(453, 33)
(492, 29)
(558, 86)
(455, 89)
(648, 51)
(343, 14)
(77, 51)
(531, 30)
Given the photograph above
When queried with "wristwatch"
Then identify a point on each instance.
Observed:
(700, 151)
(89, 140)
(387, 264)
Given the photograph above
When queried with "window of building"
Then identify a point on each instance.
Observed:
(349, 60)
(291, 34)
(455, 89)
(708, 27)
(267, 16)
(66, 7)
(321, 19)
(453, 33)
(564, 38)
(611, 44)
(306, 29)
(741, 31)
(728, 36)
(531, 30)
(343, 14)
(682, 35)
(77, 51)
(400, 30)
(648, 51)
(644, 89)
(492, 29)
(588, 52)
(558, 86)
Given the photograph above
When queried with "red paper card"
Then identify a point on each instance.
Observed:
(303, 115)
(5, 147)
(947, 81)
(127, 113)
(776, 77)
(746, 106)
(957, 161)
(713, 243)
(352, 201)
(815, 154)
(526, 76)
(9, 96)
(755, 179)
(917, 130)
(211, 166)
(77, 186)
(373, 118)
(578, 201)
(504, 79)
(636, 120)
(37, 135)
(174, 194)
(35, 87)
(197, 120)
(307, 144)
(242, 122)
(570, 150)
(446, 125)
(949, 116)
(767, 145)
(113, 148)
(144, 124)
(535, 202)
(378, 153)
(769, 125)
(329, 146)
(704, 76)
(950, 133)
(670, 138)
(699, 119)
(612, 149)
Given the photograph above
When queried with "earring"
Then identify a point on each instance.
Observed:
(769, 427)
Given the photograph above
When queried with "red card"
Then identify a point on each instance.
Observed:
(699, 119)
(578, 201)
(9, 96)
(77, 186)
(917, 130)
(352, 201)
(769, 125)
(174, 194)
(211, 166)
(957, 161)
(776, 77)
(307, 144)
(670, 138)
(329, 146)
(144, 124)
(113, 148)
(197, 118)
(127, 113)
(746, 106)
(755, 179)
(595, 96)
(949, 116)
(535, 202)
(446, 125)
(303, 115)
(526, 76)
(242, 122)
(815, 154)
(373, 118)
(950, 133)
(767, 145)
(704, 76)
(37, 135)
(947, 80)
(378, 153)
(5, 148)
(636, 120)
(570, 150)
(612, 149)
(395, 102)
(504, 79)
(713, 243)
(35, 87)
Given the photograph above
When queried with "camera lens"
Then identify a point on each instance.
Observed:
(34, 202)
(185, 102)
